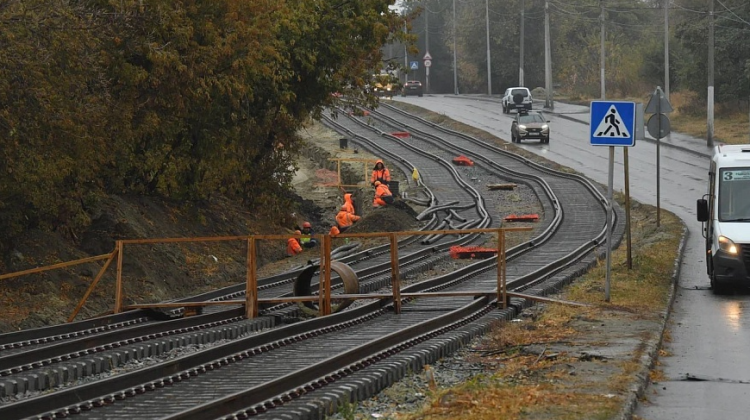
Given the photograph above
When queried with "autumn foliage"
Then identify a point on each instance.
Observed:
(185, 100)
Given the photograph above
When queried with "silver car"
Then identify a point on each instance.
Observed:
(529, 125)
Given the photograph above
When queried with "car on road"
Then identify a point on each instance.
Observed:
(517, 98)
(529, 125)
(412, 87)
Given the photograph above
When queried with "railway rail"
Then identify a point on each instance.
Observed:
(281, 369)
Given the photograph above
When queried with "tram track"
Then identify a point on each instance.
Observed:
(38, 360)
(297, 380)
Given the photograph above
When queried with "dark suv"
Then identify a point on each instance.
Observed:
(412, 87)
(529, 125)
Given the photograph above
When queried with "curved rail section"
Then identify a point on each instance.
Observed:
(39, 360)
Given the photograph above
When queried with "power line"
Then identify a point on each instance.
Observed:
(732, 12)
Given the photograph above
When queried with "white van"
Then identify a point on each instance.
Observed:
(725, 213)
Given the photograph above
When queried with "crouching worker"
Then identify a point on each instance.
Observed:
(383, 195)
(292, 245)
(307, 241)
(349, 203)
(344, 219)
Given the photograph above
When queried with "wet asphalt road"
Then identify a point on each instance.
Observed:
(708, 367)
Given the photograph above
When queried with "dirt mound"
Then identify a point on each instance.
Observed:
(394, 218)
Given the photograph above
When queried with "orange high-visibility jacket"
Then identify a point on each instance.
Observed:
(382, 190)
(348, 203)
(346, 219)
(382, 175)
(293, 247)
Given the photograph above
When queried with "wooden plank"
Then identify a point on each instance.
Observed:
(92, 286)
(501, 186)
(177, 240)
(55, 266)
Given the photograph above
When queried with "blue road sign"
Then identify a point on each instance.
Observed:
(414, 65)
(612, 123)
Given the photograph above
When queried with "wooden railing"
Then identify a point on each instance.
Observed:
(252, 301)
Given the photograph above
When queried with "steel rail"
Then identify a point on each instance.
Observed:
(108, 399)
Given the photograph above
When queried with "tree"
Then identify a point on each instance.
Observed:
(184, 100)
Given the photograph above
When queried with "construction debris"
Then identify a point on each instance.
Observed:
(463, 161)
(501, 186)
(522, 218)
(471, 252)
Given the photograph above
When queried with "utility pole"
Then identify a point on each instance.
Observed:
(601, 55)
(455, 68)
(489, 61)
(427, 48)
(547, 59)
(710, 131)
(406, 59)
(666, 48)
(520, 67)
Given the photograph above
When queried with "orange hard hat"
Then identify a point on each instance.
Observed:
(377, 183)
(343, 208)
(306, 225)
(297, 232)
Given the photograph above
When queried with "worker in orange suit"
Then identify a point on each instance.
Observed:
(349, 203)
(380, 173)
(292, 245)
(344, 219)
(383, 195)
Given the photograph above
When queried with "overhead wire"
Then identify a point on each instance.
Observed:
(734, 14)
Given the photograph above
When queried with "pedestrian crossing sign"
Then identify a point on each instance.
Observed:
(612, 123)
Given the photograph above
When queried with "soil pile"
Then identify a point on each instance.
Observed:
(393, 218)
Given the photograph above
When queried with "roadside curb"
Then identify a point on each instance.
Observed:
(651, 352)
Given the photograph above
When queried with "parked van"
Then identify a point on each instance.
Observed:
(725, 216)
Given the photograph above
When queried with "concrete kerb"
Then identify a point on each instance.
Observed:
(651, 354)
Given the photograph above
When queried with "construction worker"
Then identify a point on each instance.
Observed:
(348, 203)
(380, 173)
(292, 245)
(415, 176)
(307, 241)
(344, 219)
(383, 195)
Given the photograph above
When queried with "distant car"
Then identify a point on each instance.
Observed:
(517, 98)
(383, 91)
(412, 87)
(529, 125)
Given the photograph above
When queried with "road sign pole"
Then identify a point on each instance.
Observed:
(627, 206)
(610, 186)
(658, 177)
(427, 80)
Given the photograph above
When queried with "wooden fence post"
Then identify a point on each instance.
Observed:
(395, 277)
(251, 285)
(118, 282)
